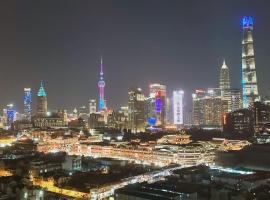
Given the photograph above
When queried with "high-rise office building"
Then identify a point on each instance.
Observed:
(101, 86)
(136, 110)
(235, 102)
(209, 108)
(178, 107)
(83, 112)
(198, 112)
(10, 113)
(224, 84)
(27, 100)
(150, 113)
(158, 93)
(119, 119)
(261, 115)
(239, 121)
(224, 79)
(41, 101)
(188, 118)
(169, 110)
(92, 106)
(249, 78)
(213, 111)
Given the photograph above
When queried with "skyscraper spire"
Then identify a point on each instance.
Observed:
(224, 64)
(224, 79)
(101, 67)
(101, 86)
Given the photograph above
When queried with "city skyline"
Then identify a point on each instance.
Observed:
(75, 62)
(134, 99)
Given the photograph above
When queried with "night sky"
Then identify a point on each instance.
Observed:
(180, 43)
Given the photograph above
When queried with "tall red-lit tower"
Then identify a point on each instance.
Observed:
(101, 86)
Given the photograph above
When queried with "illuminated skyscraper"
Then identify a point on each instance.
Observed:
(27, 100)
(178, 107)
(158, 92)
(41, 101)
(224, 79)
(10, 114)
(169, 110)
(224, 84)
(101, 86)
(136, 110)
(92, 106)
(236, 100)
(249, 78)
(198, 107)
(209, 108)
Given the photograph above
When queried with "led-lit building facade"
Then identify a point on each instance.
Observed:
(169, 110)
(261, 115)
(188, 118)
(213, 107)
(158, 93)
(209, 108)
(136, 110)
(198, 112)
(248, 121)
(224, 79)
(83, 112)
(236, 100)
(224, 84)
(239, 121)
(101, 86)
(27, 101)
(119, 119)
(150, 113)
(10, 113)
(249, 78)
(41, 101)
(178, 107)
(96, 121)
(57, 119)
(92, 106)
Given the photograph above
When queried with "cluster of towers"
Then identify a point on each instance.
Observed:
(41, 109)
(249, 79)
(156, 110)
(144, 111)
(210, 106)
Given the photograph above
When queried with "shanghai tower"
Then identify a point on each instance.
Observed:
(249, 78)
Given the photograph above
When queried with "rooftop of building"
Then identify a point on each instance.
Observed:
(167, 189)
(41, 91)
(256, 176)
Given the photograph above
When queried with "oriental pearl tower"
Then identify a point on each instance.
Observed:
(101, 86)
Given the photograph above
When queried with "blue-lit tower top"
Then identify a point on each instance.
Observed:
(247, 22)
(41, 91)
(101, 86)
(41, 101)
